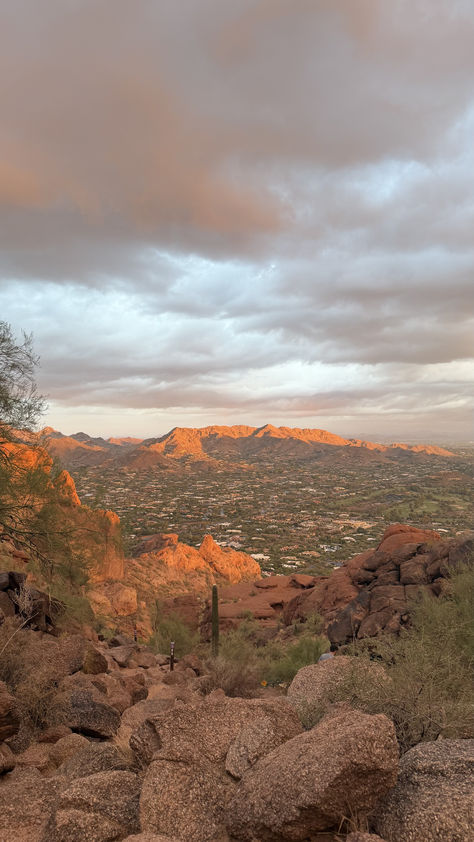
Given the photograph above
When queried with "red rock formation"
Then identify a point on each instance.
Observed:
(370, 593)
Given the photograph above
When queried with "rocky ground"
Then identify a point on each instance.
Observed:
(130, 750)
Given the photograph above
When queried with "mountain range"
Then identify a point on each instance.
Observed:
(236, 443)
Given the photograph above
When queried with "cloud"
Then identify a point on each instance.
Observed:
(231, 206)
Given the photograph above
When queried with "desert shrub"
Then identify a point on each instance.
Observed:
(237, 669)
(171, 627)
(30, 666)
(428, 691)
(282, 664)
(247, 661)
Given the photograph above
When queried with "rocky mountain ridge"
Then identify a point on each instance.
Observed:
(222, 443)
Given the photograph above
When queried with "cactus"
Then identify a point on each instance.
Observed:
(215, 622)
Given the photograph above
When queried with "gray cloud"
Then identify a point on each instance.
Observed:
(228, 206)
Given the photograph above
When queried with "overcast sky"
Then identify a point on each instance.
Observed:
(242, 211)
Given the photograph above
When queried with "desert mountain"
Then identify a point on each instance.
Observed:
(81, 450)
(237, 443)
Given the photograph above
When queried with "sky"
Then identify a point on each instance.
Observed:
(242, 211)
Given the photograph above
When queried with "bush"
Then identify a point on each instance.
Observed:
(172, 628)
(30, 666)
(283, 664)
(247, 661)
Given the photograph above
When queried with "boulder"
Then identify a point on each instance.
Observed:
(208, 729)
(26, 801)
(36, 756)
(54, 733)
(186, 798)
(433, 798)
(93, 758)
(100, 808)
(317, 686)
(9, 715)
(123, 654)
(150, 837)
(7, 759)
(342, 767)
(186, 788)
(87, 711)
(94, 662)
(255, 740)
(67, 747)
(134, 716)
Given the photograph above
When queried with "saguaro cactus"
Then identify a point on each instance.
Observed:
(215, 622)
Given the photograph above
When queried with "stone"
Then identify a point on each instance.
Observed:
(122, 654)
(26, 801)
(94, 661)
(185, 798)
(413, 572)
(342, 767)
(255, 740)
(317, 686)
(208, 729)
(7, 759)
(6, 605)
(9, 715)
(36, 756)
(87, 712)
(99, 808)
(347, 623)
(145, 659)
(93, 758)
(54, 733)
(433, 798)
(134, 716)
(67, 747)
(186, 788)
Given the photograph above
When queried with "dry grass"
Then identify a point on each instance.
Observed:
(30, 666)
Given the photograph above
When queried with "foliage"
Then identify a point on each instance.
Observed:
(20, 404)
(170, 627)
(31, 669)
(246, 660)
(283, 664)
(428, 691)
(215, 622)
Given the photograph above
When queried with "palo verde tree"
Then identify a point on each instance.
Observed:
(22, 477)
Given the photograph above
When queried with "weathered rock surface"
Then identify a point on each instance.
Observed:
(364, 837)
(150, 837)
(315, 687)
(7, 759)
(87, 711)
(93, 758)
(99, 808)
(186, 788)
(433, 798)
(341, 767)
(9, 715)
(26, 801)
(186, 798)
